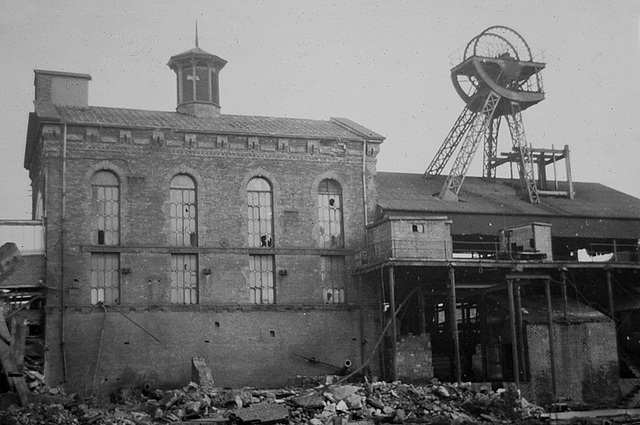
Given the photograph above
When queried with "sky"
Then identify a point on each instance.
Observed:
(384, 64)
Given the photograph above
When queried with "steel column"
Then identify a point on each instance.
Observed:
(454, 322)
(394, 328)
(520, 331)
(552, 357)
(514, 337)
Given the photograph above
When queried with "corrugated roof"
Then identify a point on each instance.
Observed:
(412, 192)
(224, 124)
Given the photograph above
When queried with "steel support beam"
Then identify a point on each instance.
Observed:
(394, 327)
(525, 163)
(450, 143)
(453, 307)
(514, 335)
(552, 357)
(454, 180)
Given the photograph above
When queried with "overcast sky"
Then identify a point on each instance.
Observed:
(383, 64)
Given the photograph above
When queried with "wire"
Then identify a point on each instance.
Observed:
(375, 347)
(95, 371)
(132, 321)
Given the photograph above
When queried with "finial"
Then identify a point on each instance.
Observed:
(197, 33)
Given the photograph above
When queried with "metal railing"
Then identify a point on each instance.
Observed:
(403, 248)
(461, 250)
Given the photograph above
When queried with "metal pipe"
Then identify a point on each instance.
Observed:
(610, 294)
(567, 162)
(394, 328)
(62, 253)
(361, 316)
(555, 172)
(520, 332)
(364, 187)
(552, 357)
(565, 298)
(454, 323)
(423, 323)
(514, 337)
(613, 311)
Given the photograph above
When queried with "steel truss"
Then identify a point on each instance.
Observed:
(525, 163)
(479, 127)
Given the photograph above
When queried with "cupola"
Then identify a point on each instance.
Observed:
(197, 76)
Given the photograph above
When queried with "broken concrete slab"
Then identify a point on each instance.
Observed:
(263, 413)
(201, 373)
(311, 400)
(343, 391)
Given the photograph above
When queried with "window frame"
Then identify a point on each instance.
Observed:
(256, 279)
(178, 292)
(260, 223)
(105, 208)
(100, 274)
(333, 277)
(179, 235)
(330, 217)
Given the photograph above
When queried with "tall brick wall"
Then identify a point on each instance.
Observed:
(243, 347)
(586, 362)
(221, 166)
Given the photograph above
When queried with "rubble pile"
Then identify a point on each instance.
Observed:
(395, 402)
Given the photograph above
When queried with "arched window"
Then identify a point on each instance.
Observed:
(260, 213)
(183, 230)
(330, 214)
(105, 221)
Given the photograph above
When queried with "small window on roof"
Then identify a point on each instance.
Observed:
(417, 228)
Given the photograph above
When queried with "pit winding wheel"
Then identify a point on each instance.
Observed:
(497, 77)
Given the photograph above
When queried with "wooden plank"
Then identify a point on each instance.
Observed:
(591, 414)
(5, 335)
(12, 371)
(16, 349)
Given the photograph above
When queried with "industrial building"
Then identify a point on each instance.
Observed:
(258, 243)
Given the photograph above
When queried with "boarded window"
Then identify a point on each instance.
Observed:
(330, 214)
(183, 212)
(261, 279)
(184, 279)
(332, 276)
(105, 278)
(260, 213)
(105, 221)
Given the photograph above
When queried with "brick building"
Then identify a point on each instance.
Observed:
(192, 233)
(254, 242)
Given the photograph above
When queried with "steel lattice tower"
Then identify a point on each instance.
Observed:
(497, 77)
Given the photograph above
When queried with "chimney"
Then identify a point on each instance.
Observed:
(62, 88)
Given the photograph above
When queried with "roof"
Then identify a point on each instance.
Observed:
(335, 128)
(62, 74)
(413, 193)
(196, 53)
